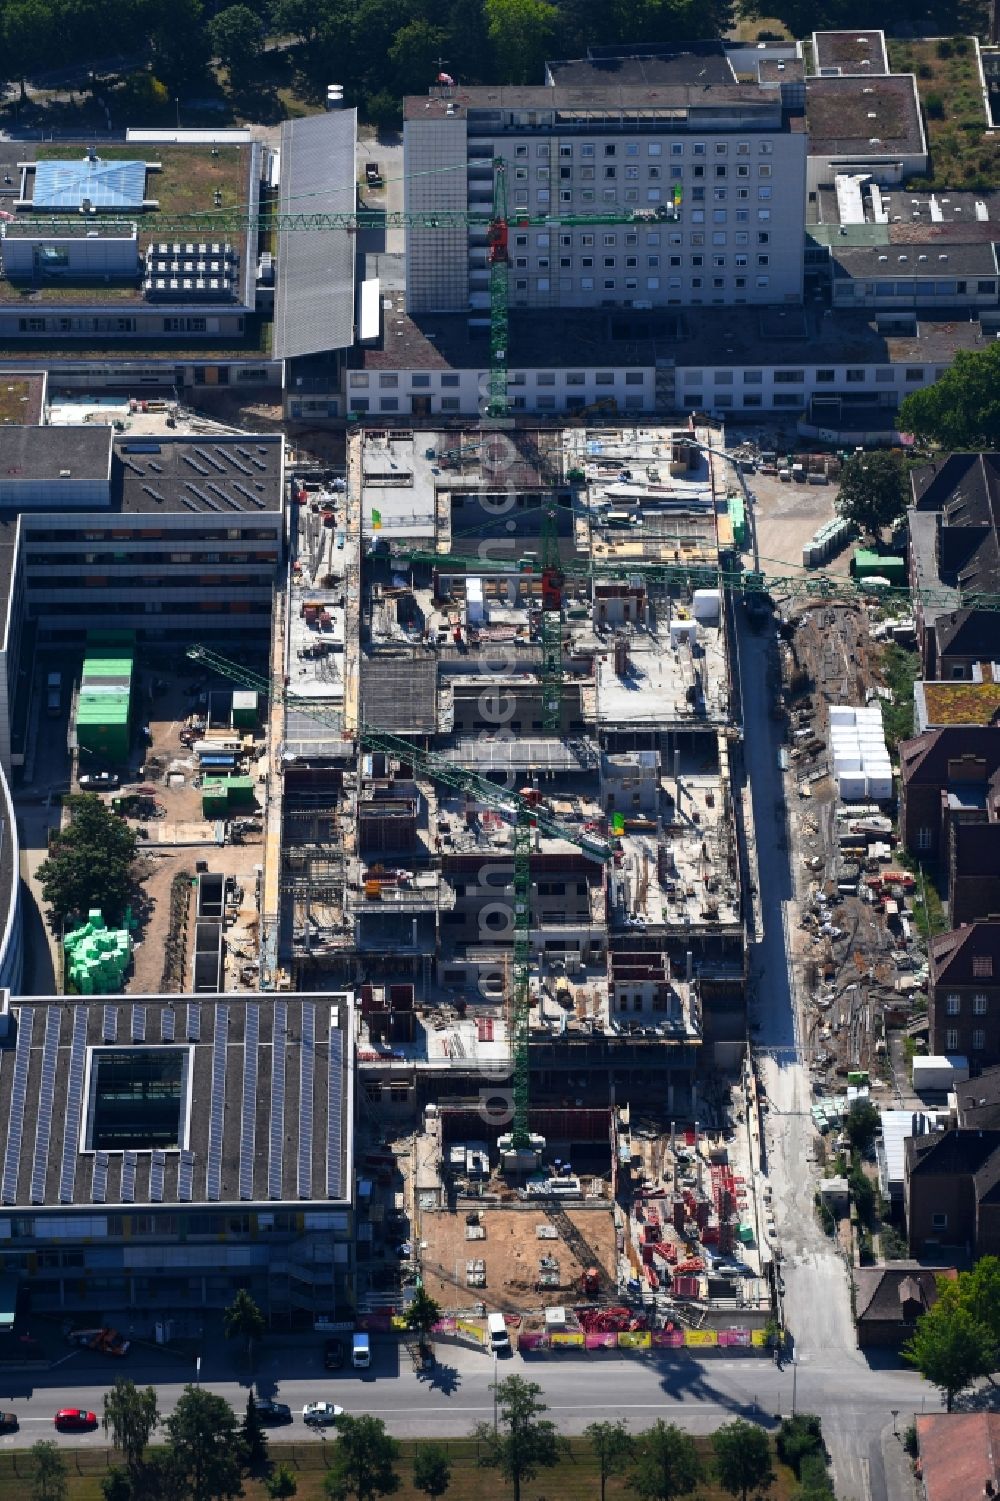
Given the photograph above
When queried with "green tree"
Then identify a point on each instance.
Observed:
(861, 1124)
(814, 1476)
(742, 1458)
(524, 1441)
(873, 490)
(520, 32)
(667, 1463)
(413, 54)
(961, 410)
(978, 1291)
(179, 43)
(130, 1416)
(951, 1348)
(797, 1437)
(431, 1469)
(116, 1485)
(364, 1461)
(28, 33)
(205, 1446)
(254, 1437)
(243, 1320)
(422, 1313)
(49, 1475)
(90, 862)
(237, 38)
(282, 1485)
(612, 1445)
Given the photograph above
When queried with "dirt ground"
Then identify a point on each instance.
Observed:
(162, 865)
(511, 1252)
(787, 517)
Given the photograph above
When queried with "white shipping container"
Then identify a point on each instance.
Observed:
(878, 786)
(683, 630)
(852, 785)
(841, 714)
(707, 605)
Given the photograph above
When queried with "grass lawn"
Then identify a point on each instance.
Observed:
(187, 183)
(16, 403)
(574, 1480)
(961, 156)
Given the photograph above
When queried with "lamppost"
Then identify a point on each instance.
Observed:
(895, 1415)
(197, 1370)
(495, 1415)
(795, 1381)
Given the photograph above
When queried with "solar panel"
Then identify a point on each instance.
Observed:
(46, 1094)
(248, 1121)
(18, 1092)
(231, 458)
(186, 502)
(99, 1182)
(244, 453)
(334, 1096)
(204, 454)
(276, 1140)
(156, 468)
(193, 1022)
(185, 1177)
(200, 468)
(109, 1030)
(213, 1180)
(157, 1165)
(129, 1163)
(74, 1101)
(307, 1075)
(226, 499)
(138, 1023)
(135, 468)
(153, 494)
(256, 462)
(168, 1017)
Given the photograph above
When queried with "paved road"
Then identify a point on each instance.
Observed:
(698, 1393)
(834, 1377)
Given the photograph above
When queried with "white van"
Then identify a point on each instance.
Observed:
(361, 1352)
(496, 1328)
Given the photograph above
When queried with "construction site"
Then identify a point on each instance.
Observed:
(499, 809)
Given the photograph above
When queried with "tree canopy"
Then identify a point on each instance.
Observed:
(873, 490)
(364, 1460)
(90, 862)
(951, 1347)
(962, 408)
(422, 1312)
(431, 1469)
(243, 1319)
(525, 1441)
(667, 1463)
(206, 1448)
(742, 1454)
(613, 1447)
(130, 1416)
(49, 1475)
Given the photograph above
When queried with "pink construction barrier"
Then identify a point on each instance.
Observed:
(533, 1340)
(668, 1339)
(602, 1341)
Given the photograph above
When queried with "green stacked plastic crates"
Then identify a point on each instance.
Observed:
(867, 564)
(97, 957)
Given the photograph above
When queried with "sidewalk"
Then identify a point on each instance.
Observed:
(900, 1481)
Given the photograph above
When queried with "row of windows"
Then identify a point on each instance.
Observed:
(359, 379)
(631, 262)
(519, 403)
(631, 283)
(141, 534)
(588, 149)
(630, 239)
(953, 1005)
(631, 174)
(149, 325)
(543, 196)
(854, 375)
(952, 1044)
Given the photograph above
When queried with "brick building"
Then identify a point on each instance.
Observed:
(964, 1009)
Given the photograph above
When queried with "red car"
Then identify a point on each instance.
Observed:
(74, 1420)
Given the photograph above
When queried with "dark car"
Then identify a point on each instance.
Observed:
(74, 1419)
(273, 1414)
(8, 1422)
(100, 781)
(333, 1354)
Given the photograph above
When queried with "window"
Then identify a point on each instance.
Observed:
(982, 966)
(763, 171)
(978, 1039)
(604, 378)
(419, 382)
(723, 377)
(855, 376)
(610, 150)
(390, 404)
(939, 1221)
(763, 260)
(914, 374)
(358, 378)
(450, 380)
(753, 377)
(925, 839)
(979, 1005)
(789, 377)
(586, 149)
(388, 382)
(952, 1005)
(765, 148)
(450, 404)
(609, 284)
(633, 377)
(574, 378)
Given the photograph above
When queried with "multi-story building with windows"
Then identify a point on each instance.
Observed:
(697, 195)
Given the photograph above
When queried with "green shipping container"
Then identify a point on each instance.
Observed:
(868, 564)
(738, 517)
(245, 710)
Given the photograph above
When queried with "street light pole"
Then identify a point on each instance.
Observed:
(795, 1380)
(495, 1415)
(197, 1371)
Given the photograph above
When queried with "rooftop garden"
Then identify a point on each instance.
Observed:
(962, 155)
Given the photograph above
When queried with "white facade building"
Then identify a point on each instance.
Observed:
(676, 195)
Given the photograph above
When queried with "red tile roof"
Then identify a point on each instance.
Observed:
(959, 1454)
